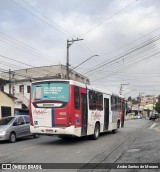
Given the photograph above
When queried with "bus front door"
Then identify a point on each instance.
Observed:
(84, 114)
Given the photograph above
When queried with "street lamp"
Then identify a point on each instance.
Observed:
(85, 61)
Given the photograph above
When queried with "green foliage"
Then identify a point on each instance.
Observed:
(157, 105)
(138, 98)
(129, 98)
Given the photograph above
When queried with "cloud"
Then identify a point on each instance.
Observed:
(75, 18)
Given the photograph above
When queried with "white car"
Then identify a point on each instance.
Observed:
(139, 116)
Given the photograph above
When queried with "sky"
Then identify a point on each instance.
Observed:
(123, 33)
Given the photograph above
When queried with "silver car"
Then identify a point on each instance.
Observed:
(14, 127)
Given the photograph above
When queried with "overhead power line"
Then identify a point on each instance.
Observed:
(10, 65)
(126, 45)
(126, 53)
(48, 71)
(134, 57)
(108, 18)
(48, 21)
(124, 67)
(16, 61)
(57, 25)
(42, 18)
(24, 46)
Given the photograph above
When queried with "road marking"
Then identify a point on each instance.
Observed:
(153, 125)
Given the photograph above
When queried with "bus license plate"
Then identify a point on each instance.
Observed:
(49, 130)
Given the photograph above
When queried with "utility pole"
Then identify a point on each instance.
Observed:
(13, 81)
(69, 43)
(121, 88)
(10, 85)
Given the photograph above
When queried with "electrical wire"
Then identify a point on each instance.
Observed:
(42, 18)
(108, 18)
(16, 43)
(124, 54)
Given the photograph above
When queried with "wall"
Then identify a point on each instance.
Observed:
(6, 101)
(37, 73)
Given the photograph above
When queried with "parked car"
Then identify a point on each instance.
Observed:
(154, 116)
(139, 116)
(14, 127)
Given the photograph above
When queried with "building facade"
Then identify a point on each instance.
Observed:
(6, 105)
(19, 86)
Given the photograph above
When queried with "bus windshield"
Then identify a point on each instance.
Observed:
(51, 90)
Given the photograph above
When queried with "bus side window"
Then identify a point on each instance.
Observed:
(119, 106)
(92, 100)
(113, 103)
(76, 98)
(99, 101)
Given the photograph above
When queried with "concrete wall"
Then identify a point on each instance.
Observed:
(45, 71)
(24, 77)
(6, 101)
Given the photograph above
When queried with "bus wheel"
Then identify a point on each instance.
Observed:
(114, 131)
(96, 132)
(35, 136)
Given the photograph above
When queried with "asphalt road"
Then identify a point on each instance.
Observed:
(108, 148)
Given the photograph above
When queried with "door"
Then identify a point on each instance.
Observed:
(84, 114)
(20, 128)
(106, 113)
(27, 125)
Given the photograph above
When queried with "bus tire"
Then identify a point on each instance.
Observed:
(35, 136)
(114, 131)
(95, 136)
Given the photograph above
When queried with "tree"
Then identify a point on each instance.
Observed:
(138, 98)
(129, 98)
(157, 105)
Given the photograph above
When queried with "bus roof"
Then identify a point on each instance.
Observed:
(80, 85)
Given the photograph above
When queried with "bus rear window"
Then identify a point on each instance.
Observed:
(50, 91)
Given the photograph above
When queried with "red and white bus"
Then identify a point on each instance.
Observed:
(70, 108)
